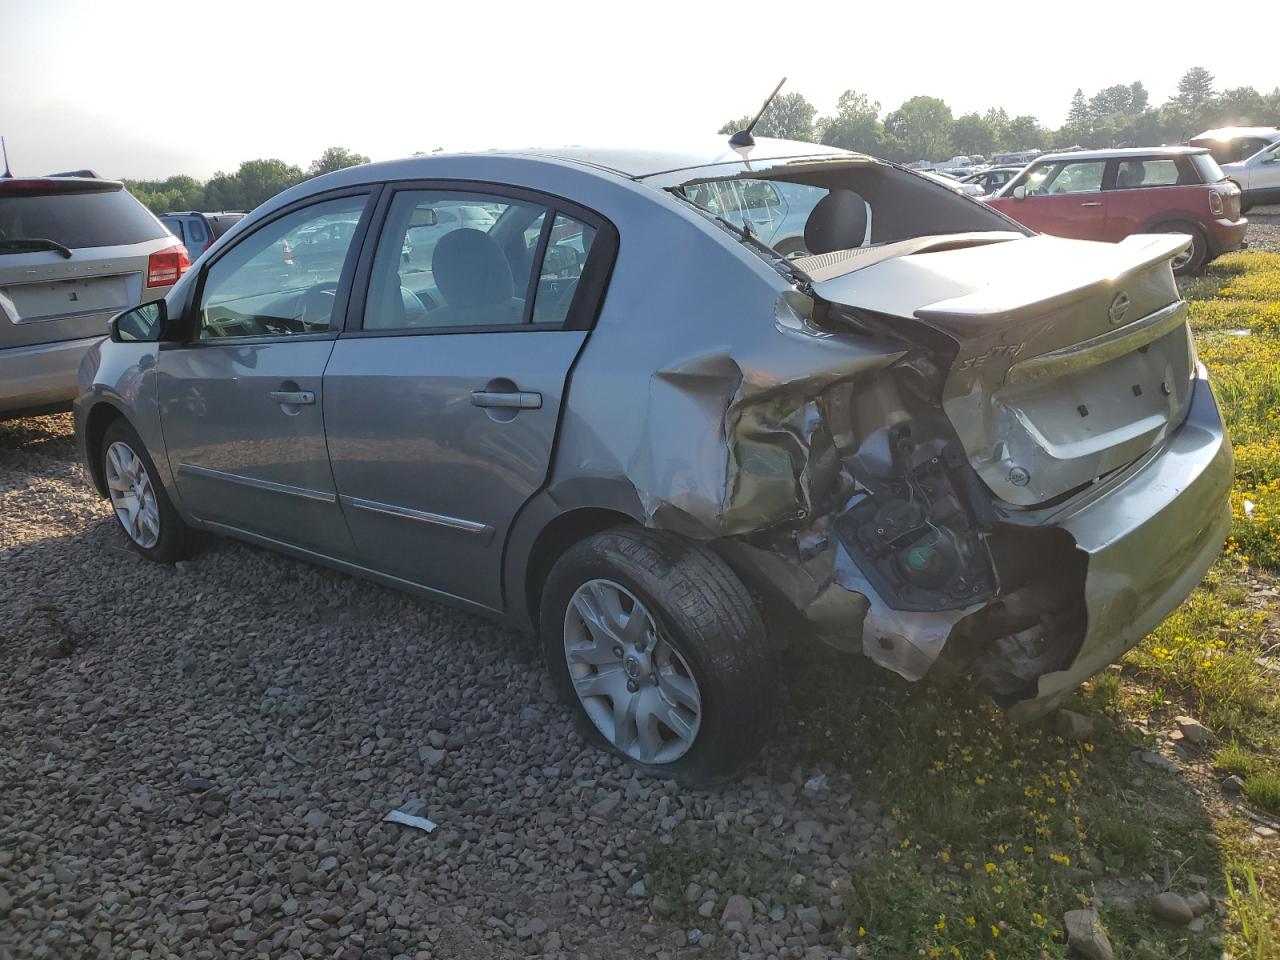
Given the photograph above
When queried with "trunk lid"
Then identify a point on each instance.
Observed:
(1072, 358)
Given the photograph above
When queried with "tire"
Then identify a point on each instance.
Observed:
(173, 540)
(704, 628)
(1199, 251)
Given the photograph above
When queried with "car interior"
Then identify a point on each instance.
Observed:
(862, 205)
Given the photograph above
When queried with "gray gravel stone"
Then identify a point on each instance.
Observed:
(1172, 907)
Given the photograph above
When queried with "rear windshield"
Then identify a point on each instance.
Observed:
(1208, 168)
(870, 204)
(89, 219)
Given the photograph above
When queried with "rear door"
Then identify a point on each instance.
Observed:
(442, 399)
(242, 398)
(1063, 198)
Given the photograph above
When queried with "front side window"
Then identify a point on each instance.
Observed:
(283, 278)
(1133, 174)
(1065, 176)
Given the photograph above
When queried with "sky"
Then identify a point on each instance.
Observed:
(146, 90)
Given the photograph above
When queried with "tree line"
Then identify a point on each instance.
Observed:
(255, 182)
(924, 128)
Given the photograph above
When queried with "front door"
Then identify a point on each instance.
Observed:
(1063, 198)
(441, 410)
(242, 399)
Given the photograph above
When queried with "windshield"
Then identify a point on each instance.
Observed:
(98, 218)
(799, 212)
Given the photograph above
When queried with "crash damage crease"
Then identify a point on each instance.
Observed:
(862, 494)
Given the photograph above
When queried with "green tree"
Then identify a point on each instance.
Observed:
(260, 180)
(789, 116)
(1025, 133)
(998, 119)
(1195, 89)
(854, 126)
(224, 192)
(924, 125)
(335, 158)
(1244, 106)
(972, 134)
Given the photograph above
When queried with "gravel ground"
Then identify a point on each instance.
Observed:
(194, 763)
(1264, 228)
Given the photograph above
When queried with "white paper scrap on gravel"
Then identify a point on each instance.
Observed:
(398, 816)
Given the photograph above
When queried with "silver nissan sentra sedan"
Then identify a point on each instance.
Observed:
(615, 417)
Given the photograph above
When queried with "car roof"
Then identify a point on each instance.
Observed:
(1234, 133)
(1121, 153)
(641, 162)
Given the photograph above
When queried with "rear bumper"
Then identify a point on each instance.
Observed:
(1149, 541)
(1226, 235)
(40, 376)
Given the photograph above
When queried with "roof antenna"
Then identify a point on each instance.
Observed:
(743, 138)
(4, 152)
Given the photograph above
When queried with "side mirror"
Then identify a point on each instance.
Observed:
(142, 324)
(424, 217)
(1020, 193)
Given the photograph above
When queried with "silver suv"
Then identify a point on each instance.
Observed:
(618, 419)
(74, 251)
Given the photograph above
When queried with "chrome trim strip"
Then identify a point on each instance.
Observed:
(422, 516)
(1107, 346)
(269, 485)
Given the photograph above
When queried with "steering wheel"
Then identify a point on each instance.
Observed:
(315, 306)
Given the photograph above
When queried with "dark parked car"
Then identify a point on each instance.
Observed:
(616, 418)
(196, 230)
(1112, 194)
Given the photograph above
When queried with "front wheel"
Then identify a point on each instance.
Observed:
(148, 519)
(659, 648)
(1192, 259)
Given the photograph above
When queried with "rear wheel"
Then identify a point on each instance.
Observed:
(141, 505)
(658, 647)
(1193, 258)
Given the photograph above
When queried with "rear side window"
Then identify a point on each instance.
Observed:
(97, 218)
(567, 248)
(1133, 174)
(1208, 168)
(442, 262)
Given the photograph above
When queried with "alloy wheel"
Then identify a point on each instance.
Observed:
(132, 495)
(634, 685)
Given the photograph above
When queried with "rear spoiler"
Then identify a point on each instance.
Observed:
(1036, 296)
(45, 186)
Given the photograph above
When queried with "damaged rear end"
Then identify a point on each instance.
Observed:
(1032, 478)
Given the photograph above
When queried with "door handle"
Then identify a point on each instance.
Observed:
(1092, 203)
(516, 399)
(293, 396)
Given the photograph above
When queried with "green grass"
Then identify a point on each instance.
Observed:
(1263, 791)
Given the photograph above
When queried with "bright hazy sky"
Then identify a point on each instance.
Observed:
(149, 89)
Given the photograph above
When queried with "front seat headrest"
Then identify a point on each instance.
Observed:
(837, 222)
(470, 270)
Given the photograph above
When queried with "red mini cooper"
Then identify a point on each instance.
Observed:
(1110, 194)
